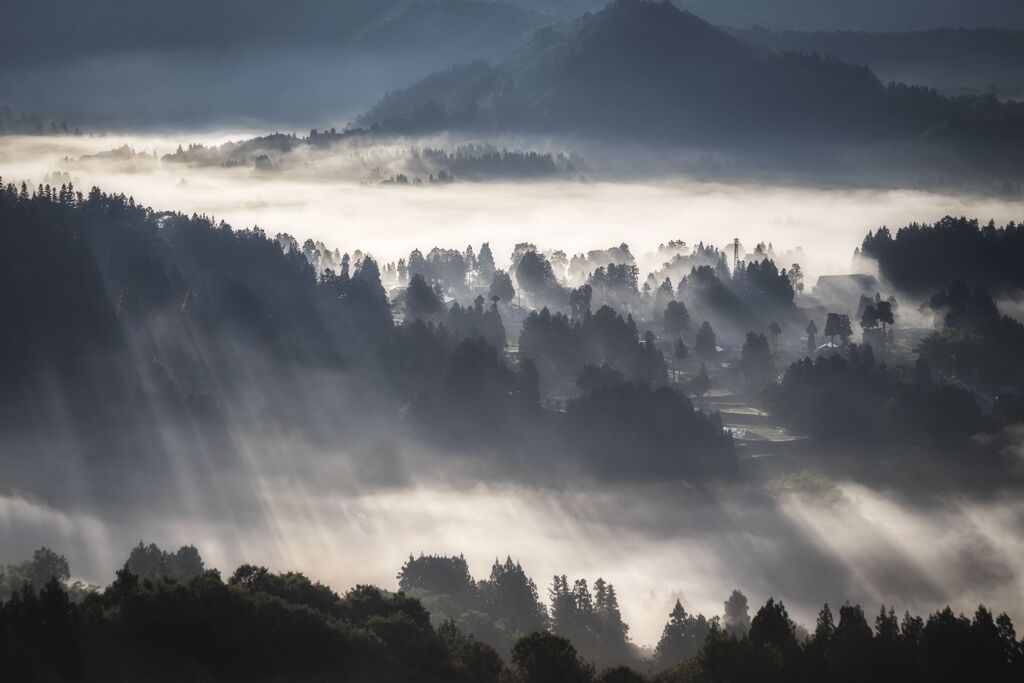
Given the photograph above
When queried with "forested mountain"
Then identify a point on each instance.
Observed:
(329, 61)
(988, 58)
(647, 70)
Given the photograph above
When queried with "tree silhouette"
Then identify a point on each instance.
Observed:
(838, 325)
(775, 330)
(150, 562)
(438, 575)
(421, 301)
(664, 294)
(706, 345)
(796, 278)
(701, 383)
(756, 359)
(679, 350)
(680, 353)
(579, 301)
(548, 658)
(737, 616)
(676, 317)
(869, 318)
(824, 628)
(812, 342)
(501, 287)
(43, 567)
(884, 314)
(682, 637)
(772, 626)
(485, 267)
(510, 596)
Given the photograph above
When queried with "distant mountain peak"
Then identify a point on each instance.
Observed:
(648, 11)
(644, 13)
(646, 69)
(638, 30)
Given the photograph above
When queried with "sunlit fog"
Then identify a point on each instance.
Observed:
(803, 543)
(512, 341)
(805, 540)
(334, 196)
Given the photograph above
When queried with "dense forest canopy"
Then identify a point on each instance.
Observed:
(154, 622)
(923, 258)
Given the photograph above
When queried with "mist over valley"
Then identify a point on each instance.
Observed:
(453, 340)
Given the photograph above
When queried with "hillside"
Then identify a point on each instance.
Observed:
(948, 59)
(647, 70)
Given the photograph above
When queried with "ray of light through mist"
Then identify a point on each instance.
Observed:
(655, 543)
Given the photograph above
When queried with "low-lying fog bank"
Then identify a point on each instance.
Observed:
(807, 542)
(336, 196)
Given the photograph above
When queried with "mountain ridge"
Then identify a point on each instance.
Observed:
(645, 68)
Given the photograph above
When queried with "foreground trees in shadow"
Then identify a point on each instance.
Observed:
(264, 626)
(923, 258)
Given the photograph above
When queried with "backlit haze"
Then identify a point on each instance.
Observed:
(806, 540)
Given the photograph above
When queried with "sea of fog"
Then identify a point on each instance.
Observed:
(327, 197)
(806, 541)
